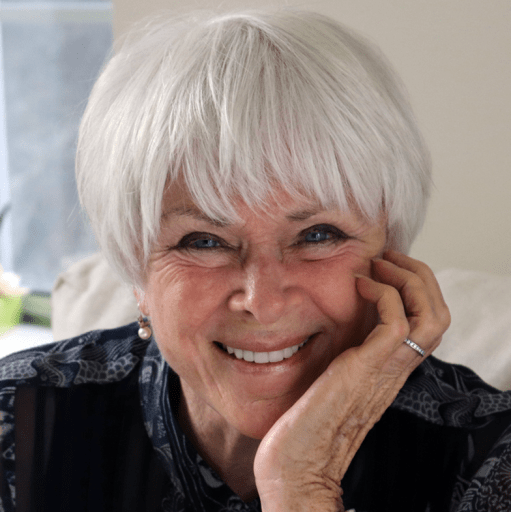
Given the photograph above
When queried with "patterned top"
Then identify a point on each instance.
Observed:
(90, 424)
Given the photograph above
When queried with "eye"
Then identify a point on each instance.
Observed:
(205, 243)
(317, 236)
(321, 234)
(201, 242)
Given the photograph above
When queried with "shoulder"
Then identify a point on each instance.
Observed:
(98, 357)
(86, 385)
(474, 419)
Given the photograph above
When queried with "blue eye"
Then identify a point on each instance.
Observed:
(321, 234)
(199, 241)
(205, 243)
(317, 236)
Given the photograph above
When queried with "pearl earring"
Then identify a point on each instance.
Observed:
(144, 330)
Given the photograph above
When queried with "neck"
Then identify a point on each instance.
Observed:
(230, 453)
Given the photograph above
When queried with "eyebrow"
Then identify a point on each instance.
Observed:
(302, 215)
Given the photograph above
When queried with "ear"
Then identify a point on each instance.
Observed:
(141, 301)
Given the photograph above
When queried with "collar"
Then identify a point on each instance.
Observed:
(195, 485)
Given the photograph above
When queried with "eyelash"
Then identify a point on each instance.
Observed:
(186, 242)
(334, 236)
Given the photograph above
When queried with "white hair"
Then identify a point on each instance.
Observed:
(235, 103)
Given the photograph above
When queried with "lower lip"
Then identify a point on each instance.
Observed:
(246, 366)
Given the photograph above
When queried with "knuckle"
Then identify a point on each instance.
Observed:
(429, 274)
(445, 317)
(423, 268)
(391, 294)
(415, 282)
(436, 343)
(431, 331)
(435, 323)
(400, 329)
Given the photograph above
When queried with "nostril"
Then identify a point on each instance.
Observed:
(265, 307)
(263, 294)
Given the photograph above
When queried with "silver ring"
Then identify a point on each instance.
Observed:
(416, 347)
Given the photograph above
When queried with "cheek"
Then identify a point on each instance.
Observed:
(182, 301)
(332, 287)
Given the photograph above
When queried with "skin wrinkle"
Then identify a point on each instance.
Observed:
(355, 232)
(189, 117)
(261, 283)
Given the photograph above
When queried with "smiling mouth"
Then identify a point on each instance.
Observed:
(264, 357)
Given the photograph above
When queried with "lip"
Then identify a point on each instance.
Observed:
(255, 345)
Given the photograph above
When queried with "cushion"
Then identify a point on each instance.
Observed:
(88, 296)
(480, 333)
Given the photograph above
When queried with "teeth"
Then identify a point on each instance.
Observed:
(265, 357)
(261, 357)
(288, 352)
(248, 356)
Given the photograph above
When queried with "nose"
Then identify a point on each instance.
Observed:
(265, 292)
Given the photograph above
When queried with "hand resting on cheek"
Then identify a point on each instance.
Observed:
(303, 458)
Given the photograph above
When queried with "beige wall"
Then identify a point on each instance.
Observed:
(455, 57)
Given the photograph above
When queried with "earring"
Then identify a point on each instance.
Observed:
(144, 330)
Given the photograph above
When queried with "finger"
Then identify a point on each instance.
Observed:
(384, 349)
(426, 324)
(394, 326)
(422, 297)
(423, 271)
(416, 297)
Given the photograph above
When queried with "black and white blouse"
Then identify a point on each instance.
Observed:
(90, 424)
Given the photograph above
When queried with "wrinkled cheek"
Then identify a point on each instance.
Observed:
(178, 349)
(355, 317)
(180, 324)
(350, 306)
(334, 289)
(352, 316)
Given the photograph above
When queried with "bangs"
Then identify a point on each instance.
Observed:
(242, 107)
(257, 118)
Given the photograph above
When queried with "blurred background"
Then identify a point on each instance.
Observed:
(51, 53)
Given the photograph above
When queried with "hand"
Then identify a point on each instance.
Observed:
(301, 461)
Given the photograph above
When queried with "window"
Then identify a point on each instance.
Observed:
(52, 53)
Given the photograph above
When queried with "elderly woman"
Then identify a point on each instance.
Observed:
(258, 178)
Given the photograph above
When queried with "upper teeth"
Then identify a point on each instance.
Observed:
(265, 357)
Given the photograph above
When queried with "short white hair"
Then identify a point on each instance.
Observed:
(235, 103)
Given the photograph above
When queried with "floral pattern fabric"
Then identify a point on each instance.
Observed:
(446, 428)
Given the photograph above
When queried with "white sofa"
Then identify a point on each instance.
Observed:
(89, 296)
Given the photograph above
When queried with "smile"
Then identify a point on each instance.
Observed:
(264, 357)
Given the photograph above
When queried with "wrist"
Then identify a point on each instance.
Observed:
(298, 499)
